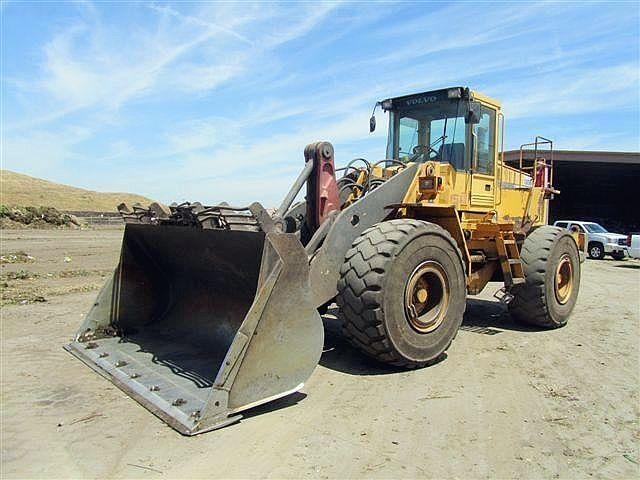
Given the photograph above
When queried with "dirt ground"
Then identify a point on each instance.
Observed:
(507, 402)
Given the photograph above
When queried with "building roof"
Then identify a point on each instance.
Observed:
(580, 156)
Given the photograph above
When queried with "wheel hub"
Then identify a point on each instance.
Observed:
(563, 285)
(426, 297)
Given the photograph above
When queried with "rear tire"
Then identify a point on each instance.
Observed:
(596, 250)
(402, 292)
(552, 271)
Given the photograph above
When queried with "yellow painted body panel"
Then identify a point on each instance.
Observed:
(488, 215)
(476, 195)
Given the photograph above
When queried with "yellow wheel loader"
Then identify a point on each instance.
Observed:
(214, 309)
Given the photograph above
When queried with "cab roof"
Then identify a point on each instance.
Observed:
(432, 96)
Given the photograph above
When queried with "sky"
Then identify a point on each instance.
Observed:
(216, 101)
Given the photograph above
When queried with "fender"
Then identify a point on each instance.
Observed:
(348, 225)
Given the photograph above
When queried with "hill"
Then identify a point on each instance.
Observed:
(23, 190)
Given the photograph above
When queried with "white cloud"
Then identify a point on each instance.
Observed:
(232, 22)
(203, 133)
(305, 20)
(292, 83)
(117, 150)
(231, 161)
(68, 79)
(575, 91)
(43, 152)
(97, 66)
(202, 78)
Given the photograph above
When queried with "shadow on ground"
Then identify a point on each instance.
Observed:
(635, 266)
(488, 317)
(279, 404)
(491, 316)
(338, 354)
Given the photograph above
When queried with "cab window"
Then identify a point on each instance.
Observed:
(422, 138)
(485, 138)
(433, 131)
(408, 136)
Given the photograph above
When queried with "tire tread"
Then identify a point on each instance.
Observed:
(529, 304)
(360, 294)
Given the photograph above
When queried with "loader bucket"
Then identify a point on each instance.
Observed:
(199, 324)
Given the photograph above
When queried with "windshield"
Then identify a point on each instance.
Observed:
(434, 131)
(595, 228)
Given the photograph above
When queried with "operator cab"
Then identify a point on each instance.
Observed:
(443, 126)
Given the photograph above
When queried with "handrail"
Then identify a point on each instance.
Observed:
(537, 161)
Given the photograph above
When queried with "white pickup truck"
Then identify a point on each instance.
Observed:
(599, 241)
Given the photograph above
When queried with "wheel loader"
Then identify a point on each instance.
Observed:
(213, 310)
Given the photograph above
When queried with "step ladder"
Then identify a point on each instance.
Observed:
(509, 257)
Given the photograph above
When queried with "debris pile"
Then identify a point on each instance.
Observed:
(38, 217)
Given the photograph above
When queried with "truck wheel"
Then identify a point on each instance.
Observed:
(552, 271)
(402, 292)
(618, 255)
(596, 250)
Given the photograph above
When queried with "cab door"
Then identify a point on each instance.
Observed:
(483, 159)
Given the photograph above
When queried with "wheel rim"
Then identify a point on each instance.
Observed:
(564, 279)
(595, 251)
(426, 297)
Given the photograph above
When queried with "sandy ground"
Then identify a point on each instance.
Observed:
(508, 402)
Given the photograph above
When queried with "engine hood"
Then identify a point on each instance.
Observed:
(614, 237)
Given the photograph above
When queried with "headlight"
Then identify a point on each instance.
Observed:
(427, 183)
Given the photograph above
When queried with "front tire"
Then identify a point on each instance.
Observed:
(402, 292)
(618, 255)
(552, 278)
(596, 250)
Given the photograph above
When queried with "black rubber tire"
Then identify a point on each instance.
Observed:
(371, 291)
(598, 250)
(618, 255)
(535, 301)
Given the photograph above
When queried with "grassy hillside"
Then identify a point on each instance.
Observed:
(23, 190)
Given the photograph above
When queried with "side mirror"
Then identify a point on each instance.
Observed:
(372, 123)
(474, 113)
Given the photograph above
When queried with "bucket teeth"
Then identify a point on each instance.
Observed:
(124, 209)
(159, 210)
(220, 217)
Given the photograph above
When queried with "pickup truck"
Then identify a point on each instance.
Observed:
(599, 241)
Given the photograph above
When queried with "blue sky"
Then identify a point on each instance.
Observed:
(216, 101)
